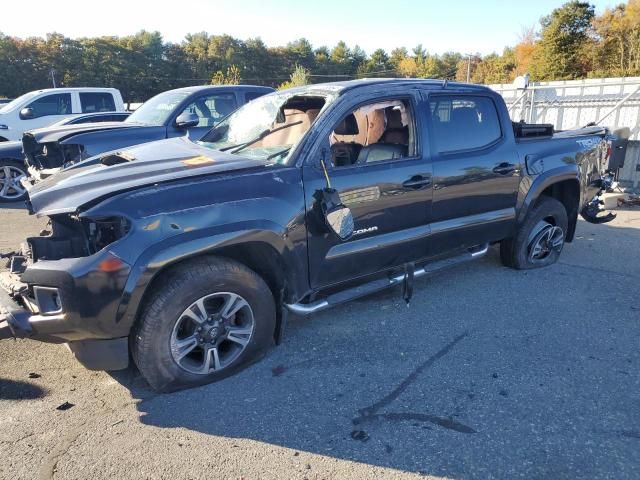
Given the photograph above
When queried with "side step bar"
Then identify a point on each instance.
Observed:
(473, 253)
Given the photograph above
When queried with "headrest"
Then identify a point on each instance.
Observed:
(348, 126)
(394, 117)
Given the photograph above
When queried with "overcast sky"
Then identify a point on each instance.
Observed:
(465, 26)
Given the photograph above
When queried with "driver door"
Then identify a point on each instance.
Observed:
(382, 172)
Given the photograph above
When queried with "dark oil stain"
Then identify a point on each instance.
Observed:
(370, 413)
(278, 370)
(443, 422)
(412, 377)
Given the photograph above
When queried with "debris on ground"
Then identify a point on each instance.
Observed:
(34, 375)
(360, 435)
(631, 201)
(65, 406)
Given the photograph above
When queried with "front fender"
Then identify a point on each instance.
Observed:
(175, 249)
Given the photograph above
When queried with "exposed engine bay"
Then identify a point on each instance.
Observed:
(69, 236)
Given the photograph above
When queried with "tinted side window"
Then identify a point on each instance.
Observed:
(248, 96)
(212, 108)
(56, 104)
(97, 102)
(463, 122)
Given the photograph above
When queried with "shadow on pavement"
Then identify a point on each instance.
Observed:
(490, 372)
(17, 390)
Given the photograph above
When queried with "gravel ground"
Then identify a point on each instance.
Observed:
(491, 373)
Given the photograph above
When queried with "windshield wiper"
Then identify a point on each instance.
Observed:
(277, 154)
(263, 135)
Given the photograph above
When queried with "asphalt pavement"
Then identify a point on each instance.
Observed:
(490, 373)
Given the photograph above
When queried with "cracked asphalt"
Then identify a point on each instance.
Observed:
(491, 373)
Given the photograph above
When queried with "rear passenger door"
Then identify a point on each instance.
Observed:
(476, 171)
(92, 102)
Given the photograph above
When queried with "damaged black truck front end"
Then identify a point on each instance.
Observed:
(65, 285)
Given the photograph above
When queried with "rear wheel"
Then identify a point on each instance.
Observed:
(11, 172)
(540, 239)
(209, 318)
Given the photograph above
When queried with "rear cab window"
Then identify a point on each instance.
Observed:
(97, 102)
(463, 122)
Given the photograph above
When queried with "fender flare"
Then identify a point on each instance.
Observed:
(157, 258)
(541, 183)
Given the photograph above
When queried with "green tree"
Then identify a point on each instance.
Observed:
(299, 77)
(562, 51)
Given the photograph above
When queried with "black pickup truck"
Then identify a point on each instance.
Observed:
(189, 255)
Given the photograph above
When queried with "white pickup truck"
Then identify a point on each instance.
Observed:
(41, 108)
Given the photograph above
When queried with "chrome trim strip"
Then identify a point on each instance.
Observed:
(317, 306)
(472, 220)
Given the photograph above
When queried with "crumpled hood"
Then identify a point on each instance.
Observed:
(147, 164)
(57, 133)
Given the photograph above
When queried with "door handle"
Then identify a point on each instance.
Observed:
(417, 181)
(504, 168)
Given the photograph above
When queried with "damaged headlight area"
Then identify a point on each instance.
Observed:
(51, 155)
(71, 236)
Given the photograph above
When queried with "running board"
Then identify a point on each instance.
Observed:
(377, 285)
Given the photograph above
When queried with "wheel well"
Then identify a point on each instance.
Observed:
(2, 139)
(259, 257)
(566, 192)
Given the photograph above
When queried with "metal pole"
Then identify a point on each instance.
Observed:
(53, 77)
(469, 69)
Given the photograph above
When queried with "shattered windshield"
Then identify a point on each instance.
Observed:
(267, 128)
(156, 110)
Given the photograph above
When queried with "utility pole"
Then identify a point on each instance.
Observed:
(469, 68)
(52, 72)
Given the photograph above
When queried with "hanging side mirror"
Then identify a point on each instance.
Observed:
(338, 217)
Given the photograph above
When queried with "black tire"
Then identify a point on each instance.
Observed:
(11, 195)
(151, 338)
(543, 220)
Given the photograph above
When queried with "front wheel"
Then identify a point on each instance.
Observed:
(11, 172)
(540, 238)
(209, 318)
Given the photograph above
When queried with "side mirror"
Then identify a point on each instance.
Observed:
(187, 120)
(337, 217)
(26, 113)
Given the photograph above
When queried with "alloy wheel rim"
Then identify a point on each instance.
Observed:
(212, 333)
(544, 240)
(10, 186)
